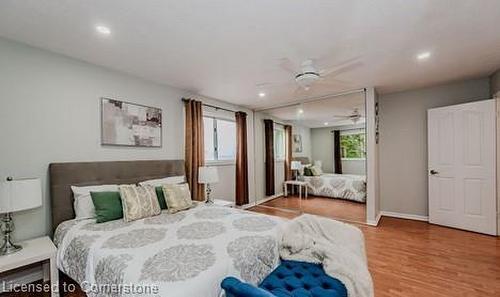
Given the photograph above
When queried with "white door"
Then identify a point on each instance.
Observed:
(462, 166)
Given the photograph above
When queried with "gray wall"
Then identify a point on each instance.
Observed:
(403, 141)
(49, 112)
(495, 83)
(357, 167)
(322, 147)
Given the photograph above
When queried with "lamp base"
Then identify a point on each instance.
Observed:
(9, 248)
(208, 191)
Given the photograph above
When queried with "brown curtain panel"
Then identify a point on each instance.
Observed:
(241, 159)
(337, 151)
(194, 147)
(288, 152)
(269, 147)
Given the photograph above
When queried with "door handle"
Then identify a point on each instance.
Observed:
(433, 172)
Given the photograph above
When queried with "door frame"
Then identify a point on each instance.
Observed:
(497, 102)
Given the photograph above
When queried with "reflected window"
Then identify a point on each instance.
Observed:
(353, 145)
(279, 144)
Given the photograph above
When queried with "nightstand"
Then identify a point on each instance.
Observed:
(35, 251)
(220, 202)
(300, 184)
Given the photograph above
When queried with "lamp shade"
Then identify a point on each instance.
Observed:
(295, 165)
(208, 175)
(21, 194)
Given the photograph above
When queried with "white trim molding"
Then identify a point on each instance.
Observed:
(406, 216)
(374, 222)
(269, 198)
(249, 205)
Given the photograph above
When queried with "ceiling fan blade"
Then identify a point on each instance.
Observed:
(288, 66)
(342, 67)
(266, 86)
(338, 70)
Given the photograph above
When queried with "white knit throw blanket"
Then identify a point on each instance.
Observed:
(338, 246)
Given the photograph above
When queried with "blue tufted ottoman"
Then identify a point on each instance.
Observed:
(289, 279)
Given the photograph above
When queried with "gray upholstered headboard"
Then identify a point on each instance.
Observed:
(65, 175)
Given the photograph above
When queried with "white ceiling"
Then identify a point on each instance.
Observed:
(232, 49)
(316, 114)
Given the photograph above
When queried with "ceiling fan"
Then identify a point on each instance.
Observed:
(355, 116)
(308, 74)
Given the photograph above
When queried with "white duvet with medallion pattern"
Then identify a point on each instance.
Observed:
(342, 186)
(184, 254)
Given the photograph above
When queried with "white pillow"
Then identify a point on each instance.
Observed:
(84, 206)
(164, 181)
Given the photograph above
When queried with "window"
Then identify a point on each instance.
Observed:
(220, 139)
(353, 146)
(279, 144)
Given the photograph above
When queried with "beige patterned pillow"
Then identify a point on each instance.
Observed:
(178, 197)
(139, 202)
(316, 170)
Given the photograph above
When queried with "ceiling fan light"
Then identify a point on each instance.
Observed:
(306, 79)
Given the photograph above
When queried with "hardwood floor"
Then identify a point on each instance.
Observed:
(409, 258)
(333, 208)
(416, 259)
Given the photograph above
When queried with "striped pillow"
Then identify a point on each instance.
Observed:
(139, 202)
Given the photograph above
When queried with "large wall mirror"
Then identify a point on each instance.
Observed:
(311, 158)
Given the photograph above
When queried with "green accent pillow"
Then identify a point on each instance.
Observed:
(161, 197)
(308, 171)
(108, 206)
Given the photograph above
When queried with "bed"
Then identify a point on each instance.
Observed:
(183, 254)
(342, 186)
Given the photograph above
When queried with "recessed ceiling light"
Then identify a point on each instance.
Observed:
(326, 124)
(262, 94)
(103, 30)
(424, 56)
(300, 110)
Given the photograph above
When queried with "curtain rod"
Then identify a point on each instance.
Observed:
(212, 106)
(312, 99)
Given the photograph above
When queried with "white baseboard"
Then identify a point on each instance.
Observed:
(374, 222)
(21, 278)
(269, 198)
(261, 201)
(406, 216)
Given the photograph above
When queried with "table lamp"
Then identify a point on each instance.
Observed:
(17, 195)
(296, 166)
(208, 176)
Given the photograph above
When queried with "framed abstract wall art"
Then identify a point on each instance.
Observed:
(297, 143)
(130, 124)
